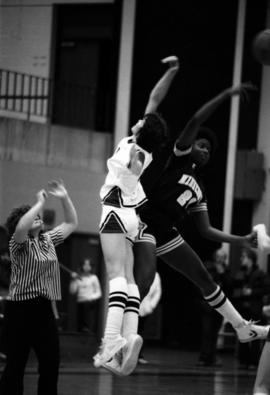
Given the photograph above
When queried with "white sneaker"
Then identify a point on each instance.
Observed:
(108, 349)
(248, 331)
(262, 237)
(131, 353)
(114, 365)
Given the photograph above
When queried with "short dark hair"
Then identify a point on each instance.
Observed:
(153, 133)
(14, 217)
(209, 135)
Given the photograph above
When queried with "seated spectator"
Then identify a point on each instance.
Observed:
(251, 284)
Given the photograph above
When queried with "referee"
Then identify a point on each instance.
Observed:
(34, 284)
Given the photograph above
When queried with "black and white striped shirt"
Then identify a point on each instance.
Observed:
(35, 268)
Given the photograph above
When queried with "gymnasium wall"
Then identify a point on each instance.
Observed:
(32, 154)
(25, 38)
(25, 34)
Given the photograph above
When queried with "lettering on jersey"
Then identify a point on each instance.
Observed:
(186, 196)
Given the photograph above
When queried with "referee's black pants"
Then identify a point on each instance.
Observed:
(30, 324)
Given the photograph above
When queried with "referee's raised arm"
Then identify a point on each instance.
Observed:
(58, 189)
(30, 217)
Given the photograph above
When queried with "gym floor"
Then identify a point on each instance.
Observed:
(168, 371)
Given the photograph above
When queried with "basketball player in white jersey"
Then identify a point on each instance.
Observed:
(121, 194)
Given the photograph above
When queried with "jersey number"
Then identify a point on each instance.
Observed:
(184, 197)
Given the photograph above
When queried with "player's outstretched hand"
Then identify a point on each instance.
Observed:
(57, 188)
(251, 240)
(172, 61)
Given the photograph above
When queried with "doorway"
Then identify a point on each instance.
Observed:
(85, 65)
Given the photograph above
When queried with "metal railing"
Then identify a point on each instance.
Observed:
(65, 103)
(24, 93)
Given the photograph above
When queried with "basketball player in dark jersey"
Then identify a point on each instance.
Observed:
(174, 188)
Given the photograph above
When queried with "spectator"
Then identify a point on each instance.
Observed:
(86, 288)
(251, 284)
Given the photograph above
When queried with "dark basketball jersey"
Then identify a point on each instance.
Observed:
(154, 171)
(175, 187)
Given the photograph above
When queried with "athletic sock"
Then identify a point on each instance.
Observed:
(219, 302)
(131, 315)
(117, 304)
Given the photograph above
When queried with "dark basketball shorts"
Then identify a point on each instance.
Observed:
(154, 226)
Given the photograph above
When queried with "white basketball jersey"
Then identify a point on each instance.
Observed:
(122, 188)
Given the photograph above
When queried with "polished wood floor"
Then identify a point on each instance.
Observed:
(169, 372)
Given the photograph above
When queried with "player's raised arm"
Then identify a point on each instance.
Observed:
(162, 86)
(189, 134)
